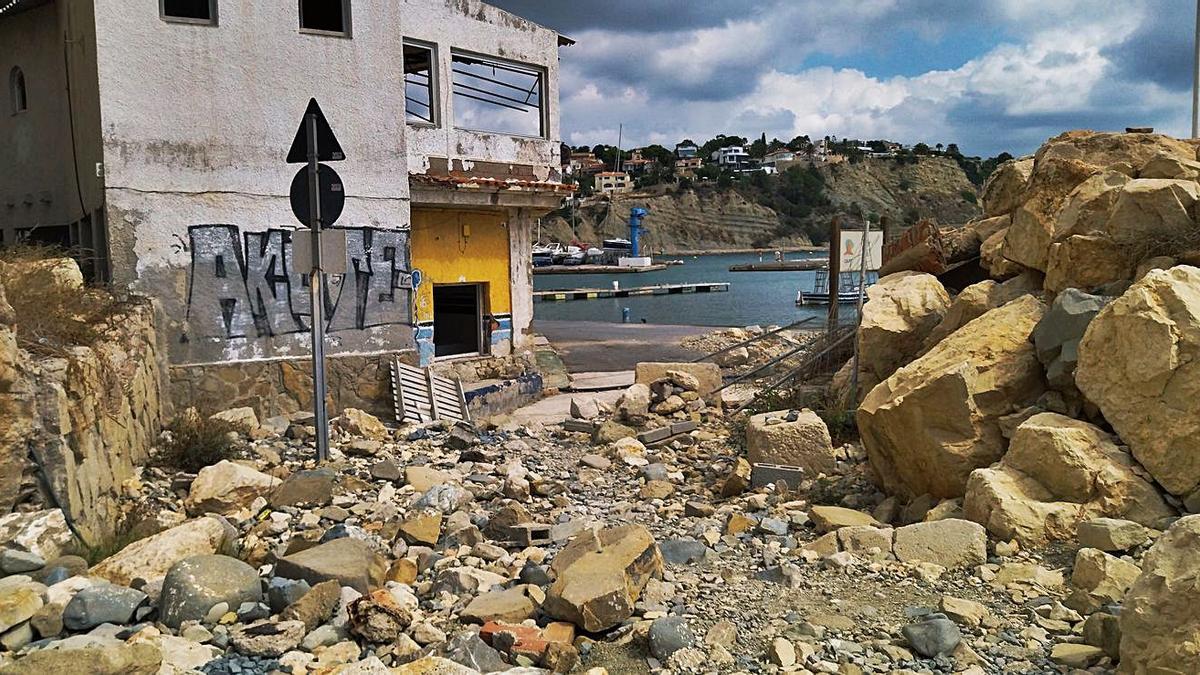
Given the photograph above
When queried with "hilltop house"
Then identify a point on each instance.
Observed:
(686, 150)
(155, 138)
(613, 182)
(686, 167)
(733, 158)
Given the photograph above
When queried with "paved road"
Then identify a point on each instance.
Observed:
(602, 346)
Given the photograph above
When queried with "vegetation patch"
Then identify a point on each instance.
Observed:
(194, 441)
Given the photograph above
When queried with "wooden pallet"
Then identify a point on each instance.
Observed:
(420, 396)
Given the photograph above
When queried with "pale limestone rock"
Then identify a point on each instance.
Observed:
(151, 558)
(1099, 579)
(1154, 217)
(978, 299)
(831, 518)
(1137, 364)
(901, 311)
(937, 419)
(226, 487)
(364, 424)
(43, 533)
(1168, 166)
(1028, 239)
(1087, 207)
(804, 443)
(1160, 618)
(708, 376)
(1111, 534)
(600, 575)
(991, 257)
(1003, 189)
(1086, 262)
(950, 543)
(243, 419)
(1058, 471)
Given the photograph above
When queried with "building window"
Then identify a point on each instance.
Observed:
(189, 11)
(498, 96)
(16, 90)
(325, 17)
(419, 77)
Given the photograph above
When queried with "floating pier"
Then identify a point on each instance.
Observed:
(597, 293)
(596, 269)
(785, 266)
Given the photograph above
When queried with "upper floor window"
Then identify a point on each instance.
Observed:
(498, 96)
(325, 17)
(16, 91)
(419, 77)
(189, 11)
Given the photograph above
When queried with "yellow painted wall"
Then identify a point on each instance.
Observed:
(446, 254)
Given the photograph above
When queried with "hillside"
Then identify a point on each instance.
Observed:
(740, 216)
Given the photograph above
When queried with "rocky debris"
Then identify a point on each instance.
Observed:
(314, 487)
(243, 420)
(600, 575)
(1059, 471)
(738, 478)
(702, 378)
(791, 438)
(266, 638)
(378, 617)
(900, 313)
(831, 518)
(193, 586)
(1152, 331)
(359, 423)
(227, 487)
(967, 383)
(350, 561)
(42, 533)
(316, 606)
(1111, 534)
(513, 605)
(1004, 188)
(103, 656)
(1161, 613)
(149, 559)
(1099, 579)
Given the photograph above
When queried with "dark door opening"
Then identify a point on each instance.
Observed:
(456, 320)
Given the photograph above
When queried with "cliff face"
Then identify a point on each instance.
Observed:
(686, 220)
(709, 218)
(934, 187)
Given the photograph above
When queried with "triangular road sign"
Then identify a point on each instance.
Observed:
(328, 148)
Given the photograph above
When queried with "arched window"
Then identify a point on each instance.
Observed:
(16, 89)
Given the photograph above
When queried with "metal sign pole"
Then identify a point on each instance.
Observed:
(315, 283)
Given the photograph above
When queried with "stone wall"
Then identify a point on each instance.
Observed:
(78, 425)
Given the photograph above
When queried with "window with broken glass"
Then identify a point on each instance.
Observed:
(419, 81)
(498, 96)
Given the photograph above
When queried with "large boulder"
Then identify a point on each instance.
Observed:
(1057, 335)
(1057, 472)
(901, 311)
(1034, 221)
(1087, 207)
(991, 257)
(775, 438)
(1160, 618)
(1153, 216)
(950, 543)
(350, 561)
(149, 559)
(977, 299)
(194, 585)
(1087, 261)
(1105, 149)
(600, 576)
(1138, 364)
(227, 487)
(937, 419)
(1003, 189)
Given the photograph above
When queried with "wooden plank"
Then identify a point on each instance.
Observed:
(462, 398)
(433, 407)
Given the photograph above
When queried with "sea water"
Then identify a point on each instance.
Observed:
(753, 298)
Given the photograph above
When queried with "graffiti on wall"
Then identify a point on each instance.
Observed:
(243, 285)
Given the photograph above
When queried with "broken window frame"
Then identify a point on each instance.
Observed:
(170, 18)
(18, 91)
(347, 23)
(434, 119)
(504, 100)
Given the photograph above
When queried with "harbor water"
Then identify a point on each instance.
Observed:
(753, 297)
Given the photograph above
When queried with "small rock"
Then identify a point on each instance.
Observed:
(782, 653)
(194, 585)
(668, 635)
(1111, 534)
(935, 636)
(267, 639)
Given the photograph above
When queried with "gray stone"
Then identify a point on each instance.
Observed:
(934, 636)
(283, 592)
(668, 635)
(682, 551)
(102, 603)
(774, 526)
(16, 561)
(194, 585)
(1057, 336)
(386, 470)
(656, 471)
(468, 649)
(313, 487)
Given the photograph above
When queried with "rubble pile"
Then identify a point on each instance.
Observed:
(755, 353)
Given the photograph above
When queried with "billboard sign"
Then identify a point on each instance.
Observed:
(851, 250)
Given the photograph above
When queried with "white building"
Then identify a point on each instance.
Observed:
(613, 182)
(156, 137)
(734, 158)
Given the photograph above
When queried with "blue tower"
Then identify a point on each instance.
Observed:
(635, 229)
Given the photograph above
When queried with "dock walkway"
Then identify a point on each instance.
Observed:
(597, 269)
(564, 295)
(785, 266)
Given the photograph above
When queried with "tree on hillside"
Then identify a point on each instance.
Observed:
(758, 149)
(656, 152)
(952, 150)
(921, 149)
(939, 147)
(721, 141)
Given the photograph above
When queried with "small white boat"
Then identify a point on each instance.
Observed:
(848, 290)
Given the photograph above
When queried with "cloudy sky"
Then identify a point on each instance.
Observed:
(990, 75)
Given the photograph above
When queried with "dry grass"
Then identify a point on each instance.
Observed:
(51, 316)
(196, 441)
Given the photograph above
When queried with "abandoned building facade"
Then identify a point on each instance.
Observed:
(155, 140)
